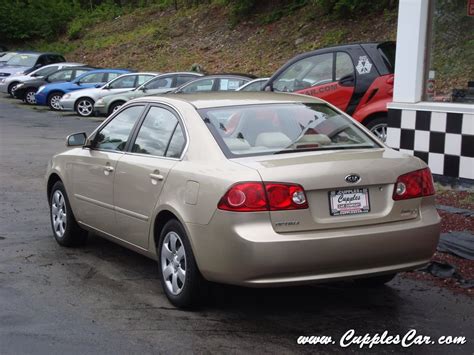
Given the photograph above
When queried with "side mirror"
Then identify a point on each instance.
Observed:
(99, 85)
(76, 140)
(143, 89)
(347, 80)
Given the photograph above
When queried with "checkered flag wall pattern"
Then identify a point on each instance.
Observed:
(445, 141)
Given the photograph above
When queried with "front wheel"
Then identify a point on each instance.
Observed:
(85, 107)
(11, 88)
(115, 106)
(53, 101)
(378, 126)
(179, 275)
(65, 228)
(30, 96)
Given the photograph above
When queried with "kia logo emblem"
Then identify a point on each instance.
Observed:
(352, 178)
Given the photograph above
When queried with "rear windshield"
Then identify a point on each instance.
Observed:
(282, 128)
(387, 50)
(23, 60)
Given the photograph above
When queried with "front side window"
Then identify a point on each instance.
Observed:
(282, 128)
(126, 82)
(199, 86)
(62, 75)
(115, 134)
(156, 132)
(92, 78)
(143, 79)
(311, 71)
(79, 72)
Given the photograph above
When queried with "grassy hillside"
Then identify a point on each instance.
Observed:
(167, 39)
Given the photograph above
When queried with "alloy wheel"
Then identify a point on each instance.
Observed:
(380, 130)
(30, 97)
(173, 263)
(58, 213)
(84, 108)
(55, 102)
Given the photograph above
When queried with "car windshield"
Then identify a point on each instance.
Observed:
(7, 56)
(282, 128)
(23, 60)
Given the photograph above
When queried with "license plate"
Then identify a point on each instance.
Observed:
(353, 201)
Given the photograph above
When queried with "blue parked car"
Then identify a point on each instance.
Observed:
(51, 94)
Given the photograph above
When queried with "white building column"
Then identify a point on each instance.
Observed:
(411, 50)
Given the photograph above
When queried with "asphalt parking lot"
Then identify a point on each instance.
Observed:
(103, 298)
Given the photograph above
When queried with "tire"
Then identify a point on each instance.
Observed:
(12, 88)
(66, 231)
(378, 126)
(53, 100)
(375, 281)
(84, 107)
(30, 96)
(114, 107)
(190, 292)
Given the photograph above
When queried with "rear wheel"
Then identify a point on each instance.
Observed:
(30, 96)
(53, 100)
(84, 107)
(375, 281)
(378, 126)
(179, 275)
(65, 228)
(11, 88)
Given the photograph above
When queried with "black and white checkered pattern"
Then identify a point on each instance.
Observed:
(445, 141)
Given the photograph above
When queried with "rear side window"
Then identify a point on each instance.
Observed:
(230, 84)
(93, 78)
(62, 75)
(344, 65)
(160, 83)
(387, 51)
(282, 128)
(115, 134)
(183, 79)
(160, 134)
(110, 76)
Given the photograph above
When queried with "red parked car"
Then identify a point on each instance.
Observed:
(357, 78)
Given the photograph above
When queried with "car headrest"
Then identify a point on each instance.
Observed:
(272, 140)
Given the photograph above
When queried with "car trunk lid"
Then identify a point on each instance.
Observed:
(321, 173)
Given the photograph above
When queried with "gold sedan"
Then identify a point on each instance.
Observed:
(252, 189)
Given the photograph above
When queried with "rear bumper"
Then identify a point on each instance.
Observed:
(3, 86)
(243, 249)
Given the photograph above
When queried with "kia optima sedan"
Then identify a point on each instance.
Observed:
(251, 189)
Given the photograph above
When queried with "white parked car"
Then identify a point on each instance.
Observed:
(8, 84)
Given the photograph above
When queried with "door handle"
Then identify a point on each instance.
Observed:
(108, 169)
(156, 176)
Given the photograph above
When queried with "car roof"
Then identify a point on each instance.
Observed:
(230, 98)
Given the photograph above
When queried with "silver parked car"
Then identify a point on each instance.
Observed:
(253, 189)
(82, 101)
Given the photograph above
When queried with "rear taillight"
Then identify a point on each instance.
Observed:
(418, 183)
(257, 196)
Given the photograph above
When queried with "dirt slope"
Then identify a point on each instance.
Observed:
(168, 40)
